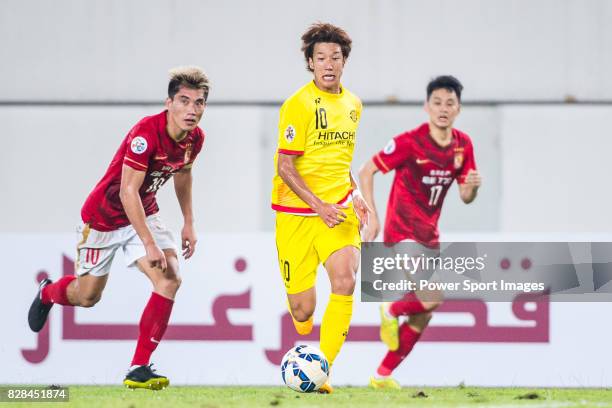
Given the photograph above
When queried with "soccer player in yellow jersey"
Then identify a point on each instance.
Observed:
(319, 210)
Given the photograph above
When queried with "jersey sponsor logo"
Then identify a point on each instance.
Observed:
(353, 116)
(390, 147)
(290, 133)
(438, 177)
(344, 138)
(422, 161)
(333, 135)
(428, 180)
(139, 145)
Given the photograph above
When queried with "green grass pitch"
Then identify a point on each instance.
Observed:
(209, 397)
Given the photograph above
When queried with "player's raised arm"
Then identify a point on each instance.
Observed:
(131, 181)
(182, 186)
(366, 182)
(331, 214)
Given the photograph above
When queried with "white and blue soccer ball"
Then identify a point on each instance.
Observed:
(304, 368)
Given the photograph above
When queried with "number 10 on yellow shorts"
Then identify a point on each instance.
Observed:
(303, 242)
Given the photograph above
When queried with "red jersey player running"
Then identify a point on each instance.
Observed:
(426, 160)
(122, 212)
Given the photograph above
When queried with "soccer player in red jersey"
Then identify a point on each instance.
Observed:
(122, 212)
(426, 161)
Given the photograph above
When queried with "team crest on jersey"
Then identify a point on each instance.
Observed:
(188, 151)
(390, 147)
(290, 133)
(354, 116)
(458, 157)
(139, 145)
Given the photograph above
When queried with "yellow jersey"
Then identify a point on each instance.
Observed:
(320, 128)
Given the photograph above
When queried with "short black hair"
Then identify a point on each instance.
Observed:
(447, 82)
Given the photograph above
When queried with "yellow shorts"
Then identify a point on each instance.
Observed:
(303, 242)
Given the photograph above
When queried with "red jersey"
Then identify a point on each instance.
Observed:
(149, 148)
(424, 171)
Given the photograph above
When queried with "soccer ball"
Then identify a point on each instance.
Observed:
(304, 368)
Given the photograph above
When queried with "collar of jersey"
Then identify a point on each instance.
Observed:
(326, 94)
(424, 129)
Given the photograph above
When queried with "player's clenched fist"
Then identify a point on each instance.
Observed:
(473, 178)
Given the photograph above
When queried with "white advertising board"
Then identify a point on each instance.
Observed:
(230, 327)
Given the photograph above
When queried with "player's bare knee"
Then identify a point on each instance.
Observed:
(344, 284)
(178, 281)
(302, 311)
(302, 315)
(168, 287)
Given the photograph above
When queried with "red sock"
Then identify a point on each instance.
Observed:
(153, 325)
(407, 338)
(409, 305)
(56, 292)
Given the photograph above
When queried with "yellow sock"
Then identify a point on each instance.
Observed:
(302, 328)
(335, 325)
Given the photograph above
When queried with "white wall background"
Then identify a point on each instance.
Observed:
(544, 167)
(121, 50)
(554, 164)
(570, 357)
(542, 164)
